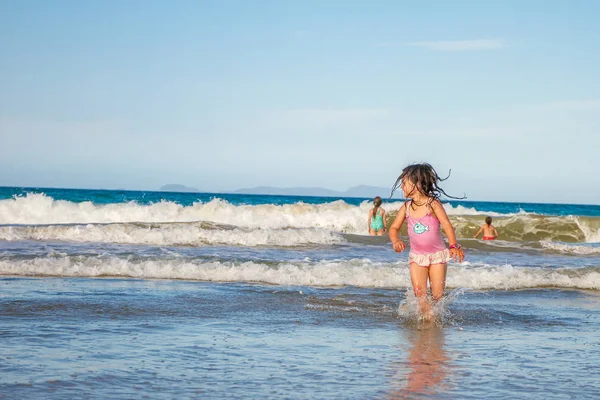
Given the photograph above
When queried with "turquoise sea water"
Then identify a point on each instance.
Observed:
(186, 199)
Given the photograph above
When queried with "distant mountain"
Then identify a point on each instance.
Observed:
(357, 191)
(295, 191)
(177, 188)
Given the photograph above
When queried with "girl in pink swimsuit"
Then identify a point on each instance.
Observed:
(425, 216)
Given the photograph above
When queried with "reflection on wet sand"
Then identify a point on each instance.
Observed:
(427, 366)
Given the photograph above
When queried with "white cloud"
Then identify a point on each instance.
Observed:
(461, 45)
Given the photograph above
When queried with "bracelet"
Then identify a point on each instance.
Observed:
(455, 246)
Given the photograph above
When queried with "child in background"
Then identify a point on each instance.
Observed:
(377, 223)
(424, 214)
(489, 230)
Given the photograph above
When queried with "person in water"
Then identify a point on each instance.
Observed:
(377, 222)
(425, 215)
(489, 230)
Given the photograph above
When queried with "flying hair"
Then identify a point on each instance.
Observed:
(425, 179)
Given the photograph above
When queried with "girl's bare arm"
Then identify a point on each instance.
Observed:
(395, 228)
(455, 251)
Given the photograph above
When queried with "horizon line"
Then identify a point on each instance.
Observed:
(289, 195)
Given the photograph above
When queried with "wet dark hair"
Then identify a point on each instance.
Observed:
(425, 179)
(488, 220)
(376, 203)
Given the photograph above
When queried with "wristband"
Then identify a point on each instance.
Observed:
(455, 246)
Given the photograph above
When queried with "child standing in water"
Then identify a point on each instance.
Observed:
(489, 230)
(424, 214)
(377, 223)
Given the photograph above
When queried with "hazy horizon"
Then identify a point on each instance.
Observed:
(384, 195)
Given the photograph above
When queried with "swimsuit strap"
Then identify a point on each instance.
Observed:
(429, 203)
(407, 204)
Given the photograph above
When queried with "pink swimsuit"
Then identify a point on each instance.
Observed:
(426, 244)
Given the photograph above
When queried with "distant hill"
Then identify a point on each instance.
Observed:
(357, 191)
(177, 188)
(295, 191)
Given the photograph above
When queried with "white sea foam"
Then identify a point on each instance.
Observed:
(358, 272)
(461, 210)
(37, 208)
(41, 209)
(570, 248)
(590, 230)
(192, 234)
(338, 216)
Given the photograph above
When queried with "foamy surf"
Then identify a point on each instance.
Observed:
(571, 248)
(35, 209)
(357, 272)
(336, 216)
(167, 234)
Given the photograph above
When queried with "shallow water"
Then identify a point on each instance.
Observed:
(122, 338)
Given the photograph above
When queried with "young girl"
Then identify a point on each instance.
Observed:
(489, 230)
(424, 215)
(377, 223)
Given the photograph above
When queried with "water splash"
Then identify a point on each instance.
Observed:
(409, 309)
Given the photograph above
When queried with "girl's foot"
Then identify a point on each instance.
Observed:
(429, 315)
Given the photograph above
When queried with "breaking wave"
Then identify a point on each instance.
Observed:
(357, 272)
(335, 216)
(166, 234)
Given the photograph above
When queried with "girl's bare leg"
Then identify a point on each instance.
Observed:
(437, 280)
(418, 277)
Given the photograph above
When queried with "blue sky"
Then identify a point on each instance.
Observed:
(226, 94)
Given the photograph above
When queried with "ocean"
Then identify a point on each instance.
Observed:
(128, 294)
